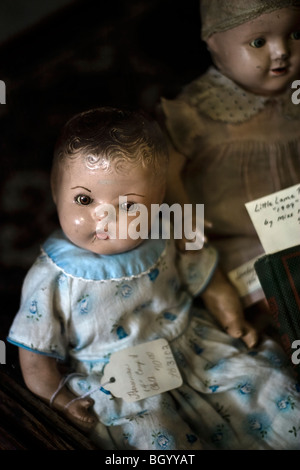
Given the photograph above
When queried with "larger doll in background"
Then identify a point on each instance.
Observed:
(235, 130)
(92, 293)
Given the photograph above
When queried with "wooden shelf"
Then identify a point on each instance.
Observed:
(27, 423)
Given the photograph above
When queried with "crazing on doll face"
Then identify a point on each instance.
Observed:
(263, 55)
(97, 208)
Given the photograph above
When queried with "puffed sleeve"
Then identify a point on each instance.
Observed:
(203, 104)
(40, 324)
(196, 268)
(183, 124)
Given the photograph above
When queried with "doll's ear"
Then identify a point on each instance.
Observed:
(211, 45)
(214, 46)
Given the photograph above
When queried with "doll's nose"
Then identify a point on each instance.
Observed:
(100, 215)
(104, 213)
(280, 51)
(282, 57)
(100, 212)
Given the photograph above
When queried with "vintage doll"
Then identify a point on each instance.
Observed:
(235, 132)
(92, 293)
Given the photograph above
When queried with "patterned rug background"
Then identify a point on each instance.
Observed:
(91, 53)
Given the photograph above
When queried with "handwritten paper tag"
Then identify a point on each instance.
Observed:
(141, 371)
(244, 278)
(276, 219)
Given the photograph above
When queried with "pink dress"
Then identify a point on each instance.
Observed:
(239, 147)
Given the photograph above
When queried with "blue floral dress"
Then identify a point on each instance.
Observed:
(83, 307)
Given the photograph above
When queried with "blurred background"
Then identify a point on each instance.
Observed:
(61, 57)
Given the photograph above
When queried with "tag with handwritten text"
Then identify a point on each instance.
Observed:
(276, 219)
(141, 371)
(244, 278)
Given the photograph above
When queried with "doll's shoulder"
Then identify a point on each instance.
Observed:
(45, 269)
(184, 117)
(43, 272)
(197, 267)
(197, 89)
(207, 91)
(218, 98)
(202, 109)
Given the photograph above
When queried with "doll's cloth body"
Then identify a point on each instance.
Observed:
(239, 147)
(84, 306)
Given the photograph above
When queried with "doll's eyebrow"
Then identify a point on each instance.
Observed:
(134, 194)
(75, 187)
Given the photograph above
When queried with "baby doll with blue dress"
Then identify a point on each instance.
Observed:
(235, 131)
(106, 281)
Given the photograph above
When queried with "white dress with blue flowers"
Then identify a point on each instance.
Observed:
(80, 306)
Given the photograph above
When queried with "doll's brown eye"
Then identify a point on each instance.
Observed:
(258, 42)
(129, 206)
(83, 200)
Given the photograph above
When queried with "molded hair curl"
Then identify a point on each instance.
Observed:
(108, 137)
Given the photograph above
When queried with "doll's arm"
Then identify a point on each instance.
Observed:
(42, 377)
(222, 300)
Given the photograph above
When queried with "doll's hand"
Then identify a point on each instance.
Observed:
(223, 302)
(79, 413)
(43, 378)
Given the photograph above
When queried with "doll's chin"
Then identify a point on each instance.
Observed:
(111, 246)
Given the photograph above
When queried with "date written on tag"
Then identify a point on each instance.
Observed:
(276, 218)
(141, 371)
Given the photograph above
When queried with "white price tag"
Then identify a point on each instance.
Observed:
(141, 371)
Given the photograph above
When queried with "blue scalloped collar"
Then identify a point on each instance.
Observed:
(84, 264)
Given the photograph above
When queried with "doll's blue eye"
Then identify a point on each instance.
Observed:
(83, 200)
(295, 35)
(258, 42)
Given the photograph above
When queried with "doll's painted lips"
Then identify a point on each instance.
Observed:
(279, 71)
(102, 235)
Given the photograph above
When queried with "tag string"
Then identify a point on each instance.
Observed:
(110, 381)
(63, 382)
(61, 385)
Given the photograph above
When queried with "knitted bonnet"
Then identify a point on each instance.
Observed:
(221, 15)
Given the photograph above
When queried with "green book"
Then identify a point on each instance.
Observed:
(279, 275)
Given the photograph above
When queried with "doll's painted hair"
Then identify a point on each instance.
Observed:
(221, 15)
(111, 138)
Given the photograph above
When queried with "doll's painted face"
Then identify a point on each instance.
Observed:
(96, 207)
(262, 55)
